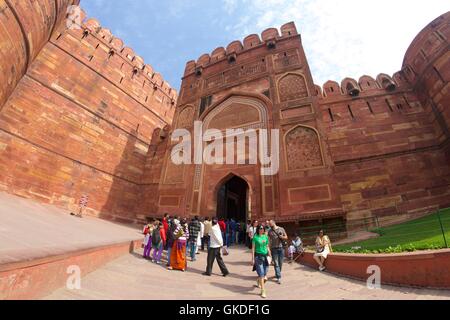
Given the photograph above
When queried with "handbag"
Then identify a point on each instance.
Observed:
(179, 234)
(284, 243)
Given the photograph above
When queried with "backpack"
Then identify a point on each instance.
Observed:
(156, 237)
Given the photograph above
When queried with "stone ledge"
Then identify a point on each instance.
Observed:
(424, 269)
(37, 278)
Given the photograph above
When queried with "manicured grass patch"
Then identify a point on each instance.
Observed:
(421, 234)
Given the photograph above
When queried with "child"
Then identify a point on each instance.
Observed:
(158, 242)
(147, 241)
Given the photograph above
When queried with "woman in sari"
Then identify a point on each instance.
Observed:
(178, 259)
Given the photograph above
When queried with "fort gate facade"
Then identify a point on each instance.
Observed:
(82, 114)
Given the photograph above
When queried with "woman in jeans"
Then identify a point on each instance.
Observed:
(260, 252)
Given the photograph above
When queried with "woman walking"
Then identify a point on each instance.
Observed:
(260, 254)
(178, 259)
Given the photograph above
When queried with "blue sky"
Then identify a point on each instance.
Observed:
(341, 38)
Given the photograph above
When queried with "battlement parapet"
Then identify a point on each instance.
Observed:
(116, 46)
(269, 38)
(352, 88)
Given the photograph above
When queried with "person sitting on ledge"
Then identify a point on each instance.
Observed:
(323, 247)
(296, 247)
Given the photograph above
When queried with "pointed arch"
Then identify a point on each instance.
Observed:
(237, 188)
(227, 177)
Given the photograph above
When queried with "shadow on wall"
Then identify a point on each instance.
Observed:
(122, 191)
(149, 190)
(129, 196)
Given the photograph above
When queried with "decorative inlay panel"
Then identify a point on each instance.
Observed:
(292, 87)
(303, 149)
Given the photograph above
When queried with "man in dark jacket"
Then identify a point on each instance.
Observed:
(194, 230)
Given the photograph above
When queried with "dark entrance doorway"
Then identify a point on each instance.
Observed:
(232, 199)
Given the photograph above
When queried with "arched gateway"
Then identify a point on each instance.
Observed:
(233, 199)
(228, 190)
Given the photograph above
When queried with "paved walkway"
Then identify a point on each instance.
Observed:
(30, 230)
(131, 277)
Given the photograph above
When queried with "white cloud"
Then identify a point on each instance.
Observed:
(230, 5)
(346, 38)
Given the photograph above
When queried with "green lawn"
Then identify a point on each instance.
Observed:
(421, 234)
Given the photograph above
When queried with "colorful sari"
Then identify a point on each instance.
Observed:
(178, 255)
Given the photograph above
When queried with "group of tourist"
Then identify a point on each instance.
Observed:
(268, 243)
(171, 235)
(182, 239)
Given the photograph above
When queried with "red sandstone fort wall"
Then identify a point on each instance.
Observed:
(80, 121)
(381, 152)
(390, 147)
(386, 150)
(80, 113)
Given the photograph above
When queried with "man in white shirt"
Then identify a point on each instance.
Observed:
(214, 250)
(205, 241)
